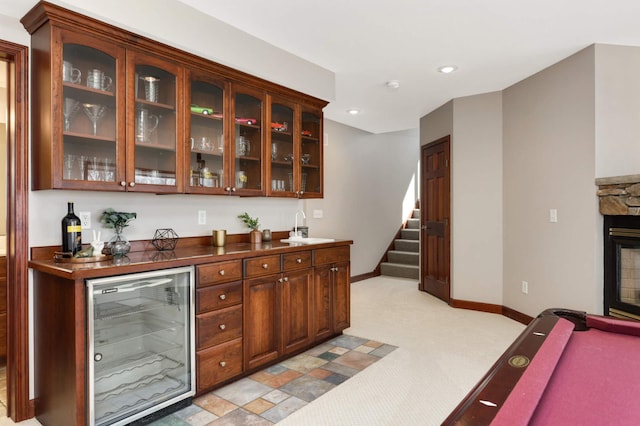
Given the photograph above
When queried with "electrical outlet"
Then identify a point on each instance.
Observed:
(85, 219)
(202, 217)
(553, 215)
(317, 214)
(525, 287)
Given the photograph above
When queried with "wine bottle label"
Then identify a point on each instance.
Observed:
(74, 228)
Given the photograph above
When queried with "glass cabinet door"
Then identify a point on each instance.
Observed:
(90, 111)
(282, 173)
(311, 154)
(247, 172)
(207, 170)
(154, 160)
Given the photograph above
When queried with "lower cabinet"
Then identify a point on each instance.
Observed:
(332, 293)
(254, 311)
(218, 323)
(277, 315)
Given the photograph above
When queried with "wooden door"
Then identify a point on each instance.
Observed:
(341, 280)
(435, 225)
(323, 309)
(296, 310)
(261, 328)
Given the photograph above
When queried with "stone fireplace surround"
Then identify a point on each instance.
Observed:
(619, 196)
(619, 201)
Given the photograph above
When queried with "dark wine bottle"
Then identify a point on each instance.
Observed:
(71, 232)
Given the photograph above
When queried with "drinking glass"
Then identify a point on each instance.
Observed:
(69, 161)
(95, 112)
(151, 86)
(69, 109)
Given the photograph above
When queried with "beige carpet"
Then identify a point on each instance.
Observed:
(442, 352)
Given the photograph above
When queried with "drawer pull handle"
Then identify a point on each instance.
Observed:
(223, 364)
(265, 266)
(222, 326)
(223, 296)
(221, 271)
(298, 260)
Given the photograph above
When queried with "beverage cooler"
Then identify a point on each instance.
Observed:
(140, 344)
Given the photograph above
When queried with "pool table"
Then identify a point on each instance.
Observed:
(566, 368)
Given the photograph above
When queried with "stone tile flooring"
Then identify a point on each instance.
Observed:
(270, 395)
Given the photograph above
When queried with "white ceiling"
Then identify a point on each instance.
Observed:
(494, 43)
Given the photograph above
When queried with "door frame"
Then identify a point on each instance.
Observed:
(19, 406)
(446, 141)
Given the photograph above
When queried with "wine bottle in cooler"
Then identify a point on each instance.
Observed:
(71, 232)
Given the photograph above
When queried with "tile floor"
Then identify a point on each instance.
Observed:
(270, 395)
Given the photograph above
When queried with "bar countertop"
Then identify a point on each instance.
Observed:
(150, 259)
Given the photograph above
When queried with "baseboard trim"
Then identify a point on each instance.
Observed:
(493, 309)
(366, 276)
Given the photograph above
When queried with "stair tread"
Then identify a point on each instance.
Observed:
(410, 253)
(400, 265)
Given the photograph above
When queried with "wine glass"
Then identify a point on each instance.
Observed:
(69, 108)
(95, 112)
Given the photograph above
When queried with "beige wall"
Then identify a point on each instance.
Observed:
(617, 93)
(476, 234)
(370, 188)
(549, 163)
(475, 126)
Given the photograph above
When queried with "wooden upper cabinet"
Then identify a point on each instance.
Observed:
(208, 156)
(114, 111)
(247, 174)
(79, 134)
(155, 110)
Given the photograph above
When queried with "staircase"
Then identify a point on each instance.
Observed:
(403, 259)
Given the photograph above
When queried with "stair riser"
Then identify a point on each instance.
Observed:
(407, 245)
(404, 257)
(410, 234)
(413, 224)
(391, 270)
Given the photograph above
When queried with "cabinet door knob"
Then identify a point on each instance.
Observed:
(223, 296)
(233, 189)
(221, 271)
(132, 184)
(228, 189)
(123, 183)
(223, 364)
(265, 266)
(298, 260)
(286, 279)
(222, 326)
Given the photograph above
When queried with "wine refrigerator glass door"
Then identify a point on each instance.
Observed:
(140, 338)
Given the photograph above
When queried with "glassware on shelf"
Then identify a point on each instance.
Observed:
(151, 88)
(274, 152)
(70, 74)
(241, 179)
(70, 107)
(146, 123)
(306, 158)
(95, 112)
(243, 146)
(96, 79)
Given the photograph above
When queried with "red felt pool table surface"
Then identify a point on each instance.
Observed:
(566, 368)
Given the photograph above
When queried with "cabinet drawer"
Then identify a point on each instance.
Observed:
(299, 260)
(264, 265)
(219, 326)
(217, 364)
(220, 272)
(218, 296)
(330, 255)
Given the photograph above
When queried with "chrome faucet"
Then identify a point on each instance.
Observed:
(295, 229)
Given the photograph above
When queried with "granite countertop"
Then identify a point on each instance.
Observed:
(148, 260)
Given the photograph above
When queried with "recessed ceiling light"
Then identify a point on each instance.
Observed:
(392, 84)
(447, 69)
(353, 111)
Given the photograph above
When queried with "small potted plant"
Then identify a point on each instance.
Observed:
(118, 245)
(254, 225)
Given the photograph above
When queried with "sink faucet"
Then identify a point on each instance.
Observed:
(295, 229)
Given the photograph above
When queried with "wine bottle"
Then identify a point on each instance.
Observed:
(71, 232)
